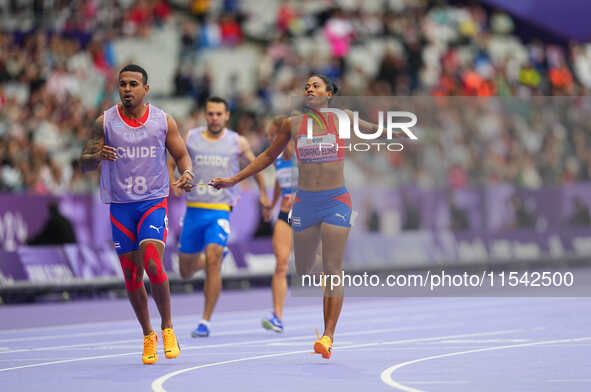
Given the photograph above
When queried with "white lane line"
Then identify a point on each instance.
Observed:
(222, 319)
(405, 306)
(230, 333)
(436, 338)
(69, 360)
(219, 316)
(131, 322)
(67, 336)
(179, 326)
(132, 329)
(308, 338)
(15, 360)
(386, 375)
(81, 345)
(483, 341)
(436, 382)
(225, 333)
(116, 342)
(157, 385)
(571, 380)
(234, 344)
(304, 343)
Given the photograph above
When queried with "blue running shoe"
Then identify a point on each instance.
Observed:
(273, 323)
(202, 331)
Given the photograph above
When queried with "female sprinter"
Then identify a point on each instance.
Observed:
(286, 180)
(322, 207)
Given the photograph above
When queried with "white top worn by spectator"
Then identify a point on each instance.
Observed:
(48, 136)
(11, 177)
(582, 64)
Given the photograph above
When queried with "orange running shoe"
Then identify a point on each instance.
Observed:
(150, 346)
(171, 345)
(323, 346)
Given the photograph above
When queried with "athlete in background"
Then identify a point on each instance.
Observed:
(129, 143)
(215, 151)
(286, 181)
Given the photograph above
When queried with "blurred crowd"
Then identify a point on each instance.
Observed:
(58, 71)
(472, 141)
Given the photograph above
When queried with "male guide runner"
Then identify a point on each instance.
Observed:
(215, 151)
(129, 143)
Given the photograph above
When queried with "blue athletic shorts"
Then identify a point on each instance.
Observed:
(203, 226)
(332, 206)
(132, 223)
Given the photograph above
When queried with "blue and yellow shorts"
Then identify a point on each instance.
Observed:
(204, 226)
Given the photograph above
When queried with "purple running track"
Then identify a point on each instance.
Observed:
(382, 344)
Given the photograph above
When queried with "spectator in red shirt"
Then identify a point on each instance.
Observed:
(161, 11)
(230, 30)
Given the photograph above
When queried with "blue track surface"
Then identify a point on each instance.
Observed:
(408, 344)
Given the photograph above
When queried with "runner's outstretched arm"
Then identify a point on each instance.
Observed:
(262, 161)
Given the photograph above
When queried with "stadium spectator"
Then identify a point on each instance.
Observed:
(581, 216)
(57, 230)
(57, 78)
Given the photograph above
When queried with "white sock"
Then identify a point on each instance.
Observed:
(203, 321)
